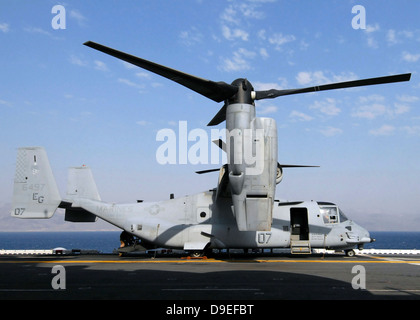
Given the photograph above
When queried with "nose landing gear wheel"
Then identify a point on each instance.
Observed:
(350, 253)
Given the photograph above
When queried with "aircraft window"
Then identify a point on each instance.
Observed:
(329, 214)
(342, 216)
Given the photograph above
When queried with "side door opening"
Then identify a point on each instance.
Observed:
(299, 231)
(299, 224)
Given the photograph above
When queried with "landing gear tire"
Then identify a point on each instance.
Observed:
(197, 254)
(350, 253)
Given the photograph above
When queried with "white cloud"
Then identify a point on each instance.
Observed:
(129, 83)
(236, 12)
(331, 131)
(264, 53)
(317, 77)
(142, 123)
(407, 98)
(239, 61)
(143, 75)
(321, 77)
(374, 106)
(78, 61)
(344, 76)
(232, 34)
(304, 78)
(5, 103)
(249, 10)
(408, 57)
(401, 108)
(81, 19)
(412, 130)
(371, 98)
(370, 111)
(191, 37)
(129, 65)
(37, 30)
(385, 130)
(99, 65)
(370, 29)
(260, 86)
(372, 43)
(261, 34)
(4, 27)
(229, 15)
(267, 110)
(327, 107)
(393, 37)
(278, 39)
(303, 45)
(300, 116)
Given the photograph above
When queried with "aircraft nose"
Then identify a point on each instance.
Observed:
(359, 236)
(365, 236)
(367, 240)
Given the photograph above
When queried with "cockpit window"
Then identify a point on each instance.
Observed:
(332, 214)
(342, 216)
(329, 214)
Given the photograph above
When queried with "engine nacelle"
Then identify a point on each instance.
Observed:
(252, 179)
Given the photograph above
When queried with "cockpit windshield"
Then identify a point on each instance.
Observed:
(342, 215)
(332, 214)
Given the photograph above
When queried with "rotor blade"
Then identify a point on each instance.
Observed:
(273, 93)
(216, 91)
(219, 117)
(281, 165)
(221, 144)
(295, 166)
(207, 171)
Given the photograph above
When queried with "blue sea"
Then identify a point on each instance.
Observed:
(102, 241)
(107, 241)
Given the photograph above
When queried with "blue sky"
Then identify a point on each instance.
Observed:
(88, 108)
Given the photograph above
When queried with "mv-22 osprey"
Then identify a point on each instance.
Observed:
(240, 212)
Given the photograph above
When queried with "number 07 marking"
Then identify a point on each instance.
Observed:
(263, 237)
(19, 211)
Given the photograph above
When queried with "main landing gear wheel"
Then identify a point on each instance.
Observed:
(350, 253)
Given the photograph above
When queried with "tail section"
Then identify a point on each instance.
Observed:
(35, 193)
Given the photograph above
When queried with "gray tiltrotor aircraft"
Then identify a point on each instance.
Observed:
(241, 212)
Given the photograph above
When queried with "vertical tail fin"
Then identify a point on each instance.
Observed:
(35, 193)
(81, 184)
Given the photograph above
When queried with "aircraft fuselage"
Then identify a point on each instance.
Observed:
(196, 223)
